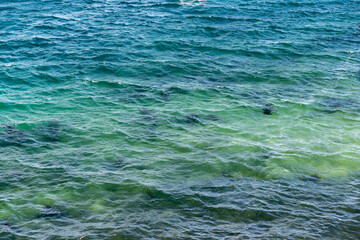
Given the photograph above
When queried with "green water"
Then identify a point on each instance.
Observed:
(179, 120)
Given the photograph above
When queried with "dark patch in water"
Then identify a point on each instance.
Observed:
(193, 119)
(7, 232)
(315, 176)
(9, 226)
(150, 193)
(13, 136)
(177, 90)
(145, 112)
(332, 105)
(52, 131)
(268, 109)
(312, 177)
(119, 163)
(252, 95)
(151, 122)
(211, 117)
(227, 175)
(49, 212)
(164, 94)
(148, 118)
(160, 199)
(11, 131)
(239, 215)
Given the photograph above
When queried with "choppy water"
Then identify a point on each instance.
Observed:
(166, 119)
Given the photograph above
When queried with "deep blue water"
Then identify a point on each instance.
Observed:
(166, 119)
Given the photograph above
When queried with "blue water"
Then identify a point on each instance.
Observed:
(190, 119)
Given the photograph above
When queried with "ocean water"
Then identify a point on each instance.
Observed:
(179, 119)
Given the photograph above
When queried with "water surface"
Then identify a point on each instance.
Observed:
(190, 119)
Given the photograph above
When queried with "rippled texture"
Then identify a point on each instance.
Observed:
(189, 119)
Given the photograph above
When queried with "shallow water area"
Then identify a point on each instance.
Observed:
(166, 119)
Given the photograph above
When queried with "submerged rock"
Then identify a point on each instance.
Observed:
(268, 109)
(11, 131)
(13, 136)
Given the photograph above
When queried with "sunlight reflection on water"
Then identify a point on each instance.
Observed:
(192, 2)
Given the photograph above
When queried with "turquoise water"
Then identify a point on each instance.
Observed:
(166, 119)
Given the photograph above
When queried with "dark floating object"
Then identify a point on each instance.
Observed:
(268, 109)
(49, 212)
